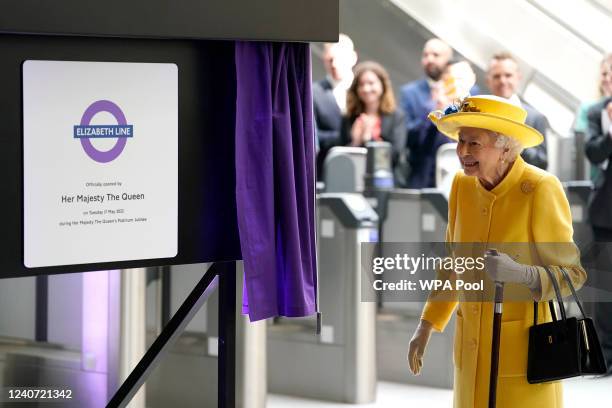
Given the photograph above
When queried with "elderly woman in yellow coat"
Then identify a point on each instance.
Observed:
(498, 198)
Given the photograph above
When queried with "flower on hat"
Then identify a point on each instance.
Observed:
(450, 109)
(468, 106)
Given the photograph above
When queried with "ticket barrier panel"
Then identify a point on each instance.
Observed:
(340, 364)
(416, 216)
(578, 193)
(412, 216)
(344, 169)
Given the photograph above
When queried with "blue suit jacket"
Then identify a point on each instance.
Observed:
(423, 137)
(328, 120)
(538, 155)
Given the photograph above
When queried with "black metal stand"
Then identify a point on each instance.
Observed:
(222, 274)
(227, 337)
(42, 308)
(166, 288)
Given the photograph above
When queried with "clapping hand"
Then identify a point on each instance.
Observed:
(357, 132)
(363, 129)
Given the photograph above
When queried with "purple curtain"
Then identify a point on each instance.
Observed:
(275, 181)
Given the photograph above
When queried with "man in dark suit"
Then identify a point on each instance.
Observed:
(329, 95)
(599, 152)
(503, 78)
(417, 101)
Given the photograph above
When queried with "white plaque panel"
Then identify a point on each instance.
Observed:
(100, 162)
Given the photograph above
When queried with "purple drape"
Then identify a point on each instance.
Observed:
(275, 181)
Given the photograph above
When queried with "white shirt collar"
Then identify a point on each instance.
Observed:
(339, 89)
(516, 100)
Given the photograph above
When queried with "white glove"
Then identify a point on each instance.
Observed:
(501, 268)
(417, 346)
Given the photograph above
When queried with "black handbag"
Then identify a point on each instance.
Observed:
(563, 348)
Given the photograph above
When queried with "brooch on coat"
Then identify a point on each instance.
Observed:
(527, 187)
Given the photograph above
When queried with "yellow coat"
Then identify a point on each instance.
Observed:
(529, 205)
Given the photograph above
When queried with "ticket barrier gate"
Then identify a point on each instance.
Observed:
(578, 193)
(340, 364)
(195, 353)
(344, 168)
(416, 216)
(412, 216)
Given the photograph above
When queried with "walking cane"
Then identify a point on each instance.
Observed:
(497, 316)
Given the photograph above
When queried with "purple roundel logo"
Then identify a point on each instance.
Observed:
(121, 131)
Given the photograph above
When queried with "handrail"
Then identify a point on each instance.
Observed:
(601, 7)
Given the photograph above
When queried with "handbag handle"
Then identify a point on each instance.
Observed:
(550, 303)
(551, 306)
(574, 294)
(557, 292)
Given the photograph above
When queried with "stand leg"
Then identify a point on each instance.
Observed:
(166, 289)
(227, 336)
(42, 309)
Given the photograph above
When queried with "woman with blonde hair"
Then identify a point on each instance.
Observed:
(604, 88)
(499, 198)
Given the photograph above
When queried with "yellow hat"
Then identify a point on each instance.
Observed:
(487, 112)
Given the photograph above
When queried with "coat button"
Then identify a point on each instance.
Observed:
(485, 211)
(473, 343)
(475, 309)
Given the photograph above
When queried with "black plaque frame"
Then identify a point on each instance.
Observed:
(207, 227)
(152, 31)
